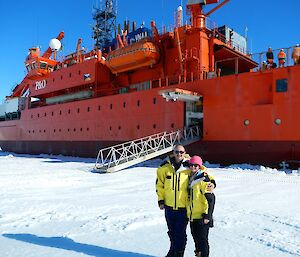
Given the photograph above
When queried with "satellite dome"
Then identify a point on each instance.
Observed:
(179, 8)
(54, 44)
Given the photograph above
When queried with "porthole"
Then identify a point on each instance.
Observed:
(69, 111)
(88, 109)
(78, 110)
(246, 122)
(119, 127)
(154, 126)
(278, 121)
(154, 100)
(172, 125)
(138, 103)
(138, 126)
(124, 104)
(110, 128)
(99, 107)
(111, 106)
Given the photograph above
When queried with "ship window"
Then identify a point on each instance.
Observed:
(43, 65)
(61, 77)
(40, 131)
(87, 129)
(70, 74)
(99, 107)
(154, 126)
(52, 113)
(44, 131)
(28, 67)
(78, 110)
(31, 116)
(68, 130)
(59, 130)
(80, 129)
(74, 129)
(38, 115)
(59, 112)
(45, 114)
(154, 100)
(69, 111)
(79, 72)
(53, 79)
(32, 131)
(281, 85)
(111, 106)
(119, 127)
(29, 131)
(138, 103)
(88, 109)
(34, 65)
(124, 104)
(138, 126)
(54, 130)
(172, 125)
(110, 128)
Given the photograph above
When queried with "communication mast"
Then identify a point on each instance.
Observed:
(104, 29)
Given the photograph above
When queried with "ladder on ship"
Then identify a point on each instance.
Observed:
(124, 155)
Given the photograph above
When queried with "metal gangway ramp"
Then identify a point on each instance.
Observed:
(124, 155)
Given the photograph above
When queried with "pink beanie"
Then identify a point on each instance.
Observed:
(196, 160)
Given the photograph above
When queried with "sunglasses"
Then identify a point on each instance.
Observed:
(179, 152)
(193, 165)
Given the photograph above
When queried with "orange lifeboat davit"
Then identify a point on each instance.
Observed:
(135, 56)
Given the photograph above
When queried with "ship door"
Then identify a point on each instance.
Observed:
(194, 113)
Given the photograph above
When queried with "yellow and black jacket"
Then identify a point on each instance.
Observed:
(172, 183)
(200, 201)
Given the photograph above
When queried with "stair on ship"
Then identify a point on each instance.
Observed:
(121, 156)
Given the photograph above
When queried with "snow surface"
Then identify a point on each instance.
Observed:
(54, 206)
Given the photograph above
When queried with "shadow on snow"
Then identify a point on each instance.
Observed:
(68, 244)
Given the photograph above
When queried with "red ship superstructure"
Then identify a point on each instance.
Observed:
(118, 92)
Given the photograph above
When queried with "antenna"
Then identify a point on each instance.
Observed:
(105, 24)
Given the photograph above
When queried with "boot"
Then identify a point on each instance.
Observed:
(170, 253)
(179, 254)
(197, 254)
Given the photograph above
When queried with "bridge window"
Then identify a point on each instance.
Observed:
(43, 65)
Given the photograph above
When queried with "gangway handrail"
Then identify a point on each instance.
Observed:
(129, 153)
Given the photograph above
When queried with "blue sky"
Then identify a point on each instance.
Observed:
(24, 24)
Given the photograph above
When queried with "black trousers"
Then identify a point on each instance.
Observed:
(200, 235)
(177, 222)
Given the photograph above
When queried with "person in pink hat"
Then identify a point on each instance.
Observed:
(200, 207)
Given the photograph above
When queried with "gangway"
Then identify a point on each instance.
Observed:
(124, 155)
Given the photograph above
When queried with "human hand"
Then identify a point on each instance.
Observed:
(205, 221)
(210, 187)
(161, 206)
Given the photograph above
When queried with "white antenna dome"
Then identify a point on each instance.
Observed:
(54, 44)
(179, 8)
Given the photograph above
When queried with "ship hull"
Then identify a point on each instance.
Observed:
(269, 153)
(252, 152)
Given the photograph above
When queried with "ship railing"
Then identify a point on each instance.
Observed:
(260, 58)
(124, 155)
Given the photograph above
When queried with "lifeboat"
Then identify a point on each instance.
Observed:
(135, 56)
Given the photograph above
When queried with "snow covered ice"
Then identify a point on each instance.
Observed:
(53, 206)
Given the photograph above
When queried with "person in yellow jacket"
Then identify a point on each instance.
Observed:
(200, 206)
(171, 188)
